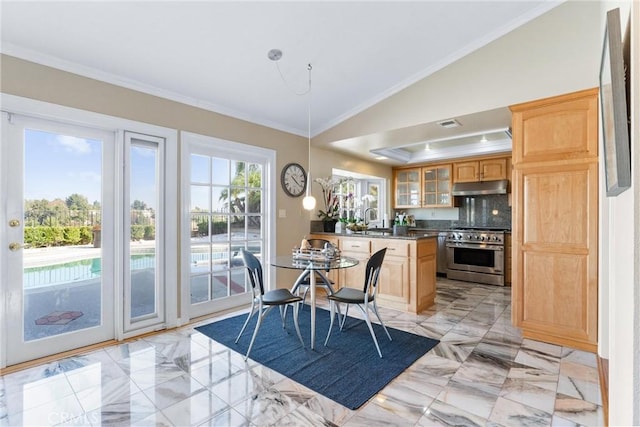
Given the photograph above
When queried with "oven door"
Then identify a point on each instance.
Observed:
(481, 258)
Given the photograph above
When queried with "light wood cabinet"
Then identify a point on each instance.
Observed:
(425, 269)
(407, 185)
(480, 170)
(360, 249)
(408, 274)
(436, 186)
(507, 258)
(555, 214)
(394, 273)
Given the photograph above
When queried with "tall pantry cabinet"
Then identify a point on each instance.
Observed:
(555, 219)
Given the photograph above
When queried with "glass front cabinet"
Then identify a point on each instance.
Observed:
(407, 188)
(436, 186)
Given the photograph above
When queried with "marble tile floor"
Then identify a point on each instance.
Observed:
(483, 373)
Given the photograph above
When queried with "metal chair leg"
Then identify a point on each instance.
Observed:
(295, 322)
(246, 322)
(344, 317)
(373, 334)
(333, 312)
(375, 310)
(261, 315)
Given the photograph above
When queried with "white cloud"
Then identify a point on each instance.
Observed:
(73, 144)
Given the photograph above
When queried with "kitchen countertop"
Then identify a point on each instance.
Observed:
(411, 235)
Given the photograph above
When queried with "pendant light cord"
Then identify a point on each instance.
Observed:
(289, 87)
(309, 67)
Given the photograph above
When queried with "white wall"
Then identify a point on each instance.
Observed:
(620, 257)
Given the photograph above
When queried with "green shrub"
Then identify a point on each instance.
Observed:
(217, 227)
(35, 237)
(54, 235)
(86, 235)
(71, 235)
(137, 232)
(149, 232)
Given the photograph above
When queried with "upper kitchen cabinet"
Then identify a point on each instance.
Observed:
(436, 186)
(480, 170)
(407, 183)
(555, 219)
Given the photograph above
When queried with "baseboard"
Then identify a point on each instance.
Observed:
(603, 373)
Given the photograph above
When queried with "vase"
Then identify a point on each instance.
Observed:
(400, 230)
(329, 226)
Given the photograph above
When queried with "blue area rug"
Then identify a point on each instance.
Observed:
(348, 370)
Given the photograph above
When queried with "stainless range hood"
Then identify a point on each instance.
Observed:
(480, 188)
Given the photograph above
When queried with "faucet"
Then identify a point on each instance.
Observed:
(366, 218)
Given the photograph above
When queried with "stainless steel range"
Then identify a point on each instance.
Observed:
(476, 255)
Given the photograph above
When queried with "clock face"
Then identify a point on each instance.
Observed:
(293, 179)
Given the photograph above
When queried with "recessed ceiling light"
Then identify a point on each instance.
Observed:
(381, 158)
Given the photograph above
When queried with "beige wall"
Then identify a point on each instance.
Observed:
(30, 80)
(559, 52)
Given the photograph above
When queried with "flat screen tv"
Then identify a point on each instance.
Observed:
(614, 105)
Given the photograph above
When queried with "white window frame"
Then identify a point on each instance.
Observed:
(237, 151)
(363, 182)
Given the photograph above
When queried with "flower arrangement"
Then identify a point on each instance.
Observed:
(331, 210)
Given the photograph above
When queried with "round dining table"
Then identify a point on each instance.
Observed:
(309, 267)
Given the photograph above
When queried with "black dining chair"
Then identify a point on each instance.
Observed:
(266, 300)
(365, 297)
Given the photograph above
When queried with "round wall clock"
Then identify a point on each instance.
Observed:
(293, 179)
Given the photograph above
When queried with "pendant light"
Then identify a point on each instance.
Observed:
(309, 202)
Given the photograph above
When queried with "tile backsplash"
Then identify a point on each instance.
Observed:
(476, 211)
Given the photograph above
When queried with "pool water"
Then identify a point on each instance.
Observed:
(69, 272)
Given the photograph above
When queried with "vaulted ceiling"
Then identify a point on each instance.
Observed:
(213, 54)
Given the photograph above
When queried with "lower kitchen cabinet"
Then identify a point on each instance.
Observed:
(394, 274)
(408, 275)
(360, 249)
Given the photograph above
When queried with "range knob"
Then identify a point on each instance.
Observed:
(481, 237)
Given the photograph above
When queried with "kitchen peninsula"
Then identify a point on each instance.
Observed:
(408, 274)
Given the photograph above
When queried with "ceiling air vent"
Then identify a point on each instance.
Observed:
(451, 123)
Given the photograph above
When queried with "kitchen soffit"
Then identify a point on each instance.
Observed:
(482, 133)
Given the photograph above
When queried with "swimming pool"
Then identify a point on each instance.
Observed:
(75, 271)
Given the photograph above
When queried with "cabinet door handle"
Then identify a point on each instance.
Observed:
(391, 249)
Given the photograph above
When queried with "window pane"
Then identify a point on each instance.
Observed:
(143, 192)
(62, 191)
(220, 171)
(254, 204)
(199, 168)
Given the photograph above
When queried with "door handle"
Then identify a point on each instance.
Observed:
(14, 222)
(15, 246)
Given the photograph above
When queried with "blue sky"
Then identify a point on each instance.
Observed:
(57, 166)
